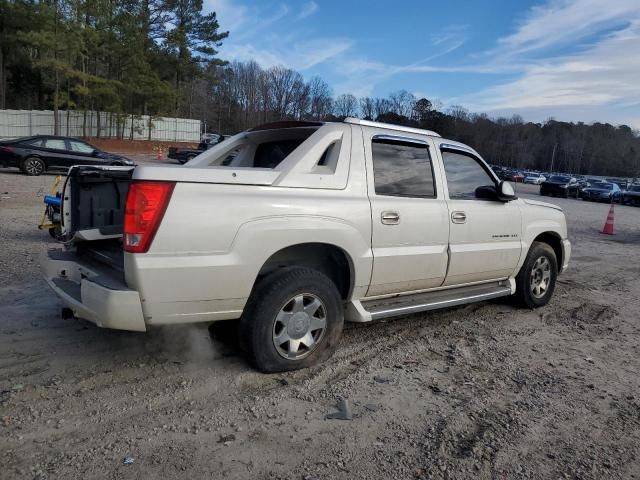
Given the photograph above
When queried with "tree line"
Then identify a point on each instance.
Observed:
(160, 58)
(245, 95)
(128, 57)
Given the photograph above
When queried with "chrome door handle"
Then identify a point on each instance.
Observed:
(390, 218)
(458, 217)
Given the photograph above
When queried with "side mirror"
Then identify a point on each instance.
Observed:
(506, 193)
(486, 192)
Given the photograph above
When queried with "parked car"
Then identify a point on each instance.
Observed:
(184, 155)
(603, 192)
(534, 178)
(621, 182)
(559, 186)
(631, 196)
(586, 183)
(35, 155)
(516, 177)
(273, 228)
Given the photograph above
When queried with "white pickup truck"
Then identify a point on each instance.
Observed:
(292, 228)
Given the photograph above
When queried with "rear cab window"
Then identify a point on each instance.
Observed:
(260, 148)
(402, 167)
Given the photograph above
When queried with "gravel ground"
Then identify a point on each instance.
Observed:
(481, 391)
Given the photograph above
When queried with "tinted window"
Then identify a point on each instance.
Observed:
(55, 143)
(80, 147)
(402, 169)
(35, 142)
(270, 154)
(559, 179)
(464, 175)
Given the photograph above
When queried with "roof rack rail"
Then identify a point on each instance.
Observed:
(389, 126)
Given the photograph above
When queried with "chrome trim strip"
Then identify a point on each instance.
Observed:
(389, 126)
(451, 302)
(399, 138)
(499, 281)
(451, 146)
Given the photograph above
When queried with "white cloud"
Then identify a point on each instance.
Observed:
(363, 75)
(231, 16)
(308, 9)
(243, 22)
(559, 22)
(301, 55)
(602, 80)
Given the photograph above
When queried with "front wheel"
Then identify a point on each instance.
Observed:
(536, 280)
(293, 319)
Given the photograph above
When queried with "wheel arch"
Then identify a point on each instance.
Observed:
(552, 239)
(327, 258)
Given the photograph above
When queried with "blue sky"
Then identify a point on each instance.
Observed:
(573, 60)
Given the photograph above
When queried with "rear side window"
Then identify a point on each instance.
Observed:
(402, 169)
(55, 143)
(34, 142)
(464, 175)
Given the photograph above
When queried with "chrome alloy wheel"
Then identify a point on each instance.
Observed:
(540, 277)
(299, 326)
(34, 167)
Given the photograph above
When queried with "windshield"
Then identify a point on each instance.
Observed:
(560, 179)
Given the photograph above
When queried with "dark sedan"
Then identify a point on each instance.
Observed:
(559, 185)
(631, 196)
(35, 155)
(603, 192)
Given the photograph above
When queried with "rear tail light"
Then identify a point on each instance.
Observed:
(146, 203)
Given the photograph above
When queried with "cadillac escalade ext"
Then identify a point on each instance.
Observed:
(291, 228)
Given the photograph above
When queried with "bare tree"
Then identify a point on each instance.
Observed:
(402, 103)
(346, 105)
(367, 108)
(321, 101)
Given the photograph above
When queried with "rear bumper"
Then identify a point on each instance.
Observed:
(93, 292)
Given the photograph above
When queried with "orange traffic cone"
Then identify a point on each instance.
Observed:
(608, 226)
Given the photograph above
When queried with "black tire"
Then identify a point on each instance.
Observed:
(524, 295)
(271, 296)
(33, 166)
(55, 232)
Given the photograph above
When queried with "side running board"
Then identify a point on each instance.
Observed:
(421, 302)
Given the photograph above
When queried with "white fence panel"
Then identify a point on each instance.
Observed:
(22, 123)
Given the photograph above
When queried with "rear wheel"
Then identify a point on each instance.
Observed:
(293, 320)
(536, 280)
(33, 166)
